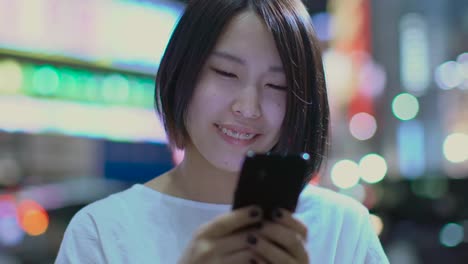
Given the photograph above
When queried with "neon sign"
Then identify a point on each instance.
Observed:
(122, 34)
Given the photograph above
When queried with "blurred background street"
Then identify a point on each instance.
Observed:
(77, 121)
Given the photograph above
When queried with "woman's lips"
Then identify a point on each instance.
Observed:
(238, 129)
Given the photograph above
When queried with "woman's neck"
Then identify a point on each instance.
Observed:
(197, 179)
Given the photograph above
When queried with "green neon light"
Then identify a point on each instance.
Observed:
(66, 83)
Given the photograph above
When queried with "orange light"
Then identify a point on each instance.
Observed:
(33, 218)
(315, 179)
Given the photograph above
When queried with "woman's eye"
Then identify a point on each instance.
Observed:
(277, 87)
(224, 73)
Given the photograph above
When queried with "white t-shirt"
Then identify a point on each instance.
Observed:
(141, 225)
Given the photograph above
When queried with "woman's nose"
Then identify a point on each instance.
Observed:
(247, 104)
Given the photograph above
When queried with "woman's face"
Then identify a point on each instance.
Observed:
(239, 102)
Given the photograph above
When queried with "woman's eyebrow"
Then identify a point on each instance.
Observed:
(225, 55)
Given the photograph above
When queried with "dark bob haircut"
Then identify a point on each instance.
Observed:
(305, 126)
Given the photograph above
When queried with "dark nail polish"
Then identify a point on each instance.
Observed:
(251, 239)
(258, 225)
(277, 214)
(253, 261)
(254, 213)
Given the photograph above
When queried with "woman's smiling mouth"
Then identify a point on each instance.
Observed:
(237, 135)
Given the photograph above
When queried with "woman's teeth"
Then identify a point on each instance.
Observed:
(236, 135)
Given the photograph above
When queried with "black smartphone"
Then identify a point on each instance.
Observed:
(271, 181)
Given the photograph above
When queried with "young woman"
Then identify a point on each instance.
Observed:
(237, 75)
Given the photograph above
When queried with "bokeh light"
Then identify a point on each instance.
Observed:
(90, 88)
(177, 155)
(411, 149)
(149, 93)
(362, 126)
(373, 168)
(345, 174)
(11, 76)
(456, 147)
(377, 223)
(339, 75)
(322, 22)
(46, 80)
(462, 61)
(10, 232)
(115, 88)
(432, 188)
(33, 217)
(373, 79)
(449, 75)
(70, 84)
(414, 53)
(405, 106)
(451, 235)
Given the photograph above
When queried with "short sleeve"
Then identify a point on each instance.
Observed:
(374, 252)
(80, 243)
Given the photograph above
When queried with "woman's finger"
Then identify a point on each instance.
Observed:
(270, 252)
(232, 243)
(284, 217)
(246, 256)
(205, 250)
(285, 239)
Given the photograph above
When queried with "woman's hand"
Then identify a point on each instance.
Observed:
(281, 241)
(225, 239)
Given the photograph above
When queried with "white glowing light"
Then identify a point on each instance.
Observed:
(345, 174)
(134, 50)
(373, 168)
(363, 126)
(77, 119)
(338, 75)
(449, 75)
(405, 106)
(462, 60)
(456, 147)
(414, 53)
(11, 77)
(372, 79)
